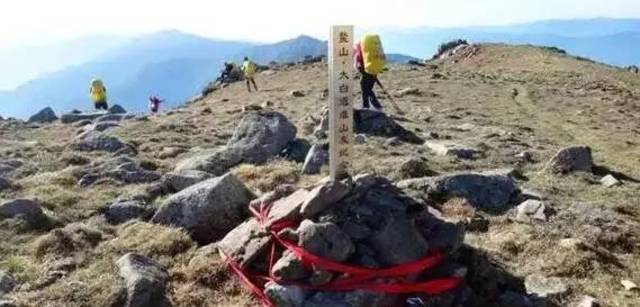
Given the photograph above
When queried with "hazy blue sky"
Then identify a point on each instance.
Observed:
(42, 21)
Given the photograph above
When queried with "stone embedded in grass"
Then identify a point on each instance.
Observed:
(120, 212)
(451, 149)
(296, 93)
(103, 142)
(588, 301)
(609, 181)
(145, 280)
(575, 158)
(408, 91)
(490, 190)
(317, 157)
(531, 210)
(179, 180)
(546, 287)
(21, 208)
(117, 109)
(207, 210)
(5, 184)
(413, 168)
(7, 283)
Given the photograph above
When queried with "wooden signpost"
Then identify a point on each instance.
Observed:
(340, 100)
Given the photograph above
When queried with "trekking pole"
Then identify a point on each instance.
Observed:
(393, 103)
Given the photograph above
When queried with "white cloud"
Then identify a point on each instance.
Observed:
(42, 21)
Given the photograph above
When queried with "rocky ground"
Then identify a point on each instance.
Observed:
(118, 209)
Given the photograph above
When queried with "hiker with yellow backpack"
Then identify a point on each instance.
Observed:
(369, 61)
(98, 93)
(249, 69)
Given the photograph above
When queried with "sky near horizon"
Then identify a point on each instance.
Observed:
(38, 22)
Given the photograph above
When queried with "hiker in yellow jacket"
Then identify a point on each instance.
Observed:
(98, 93)
(249, 70)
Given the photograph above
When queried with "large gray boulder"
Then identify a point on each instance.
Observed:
(258, 137)
(145, 281)
(45, 115)
(570, 159)
(262, 135)
(487, 190)
(207, 210)
(103, 142)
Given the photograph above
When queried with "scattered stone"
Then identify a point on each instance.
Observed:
(525, 156)
(571, 243)
(513, 299)
(121, 212)
(588, 301)
(7, 283)
(284, 296)
(297, 93)
(413, 168)
(245, 242)
(451, 149)
(486, 190)
(545, 287)
(122, 169)
(171, 152)
(207, 210)
(179, 180)
(5, 184)
(102, 142)
(531, 194)
(322, 197)
(82, 123)
(296, 151)
(117, 109)
(21, 208)
(393, 142)
(45, 115)
(110, 118)
(576, 158)
(145, 280)
(609, 181)
(360, 139)
(102, 126)
(531, 210)
(325, 240)
(466, 127)
(7, 303)
(408, 91)
(629, 285)
(77, 117)
(317, 157)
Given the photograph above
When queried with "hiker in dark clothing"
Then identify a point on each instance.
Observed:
(226, 73)
(367, 82)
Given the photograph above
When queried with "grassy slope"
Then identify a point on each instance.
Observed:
(516, 98)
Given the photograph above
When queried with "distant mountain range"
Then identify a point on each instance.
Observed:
(175, 65)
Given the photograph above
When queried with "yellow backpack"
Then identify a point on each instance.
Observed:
(98, 91)
(372, 54)
(249, 68)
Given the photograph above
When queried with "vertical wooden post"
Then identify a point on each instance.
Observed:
(341, 91)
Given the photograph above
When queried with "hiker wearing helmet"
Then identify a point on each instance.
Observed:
(154, 104)
(98, 93)
(249, 70)
(369, 60)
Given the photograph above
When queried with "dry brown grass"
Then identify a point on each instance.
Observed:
(266, 177)
(155, 241)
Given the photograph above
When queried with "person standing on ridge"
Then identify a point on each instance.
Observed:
(249, 70)
(369, 60)
(154, 104)
(98, 93)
